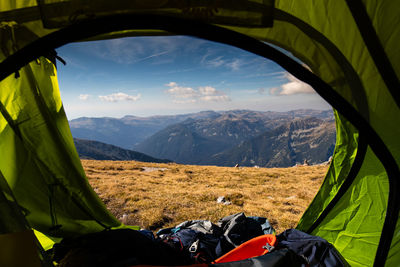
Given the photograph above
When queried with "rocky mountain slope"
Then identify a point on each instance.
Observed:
(225, 138)
(191, 141)
(247, 138)
(129, 130)
(88, 149)
(302, 139)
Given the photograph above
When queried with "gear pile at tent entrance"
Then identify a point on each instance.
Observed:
(233, 239)
(349, 46)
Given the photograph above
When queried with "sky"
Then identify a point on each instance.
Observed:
(145, 76)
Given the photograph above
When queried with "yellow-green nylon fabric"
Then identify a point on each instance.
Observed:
(41, 164)
(374, 98)
(345, 152)
(316, 55)
(322, 34)
(355, 223)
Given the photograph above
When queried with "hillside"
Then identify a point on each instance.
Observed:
(181, 144)
(222, 138)
(308, 139)
(156, 196)
(191, 141)
(248, 140)
(127, 131)
(130, 130)
(88, 149)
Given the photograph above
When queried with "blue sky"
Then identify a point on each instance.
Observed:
(146, 76)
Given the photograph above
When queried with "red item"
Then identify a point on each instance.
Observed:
(249, 249)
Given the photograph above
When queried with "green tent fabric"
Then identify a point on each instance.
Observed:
(350, 46)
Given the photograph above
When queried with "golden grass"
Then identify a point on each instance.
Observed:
(162, 195)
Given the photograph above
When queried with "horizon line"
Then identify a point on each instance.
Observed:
(209, 110)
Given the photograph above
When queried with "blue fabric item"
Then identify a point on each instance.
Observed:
(174, 230)
(316, 250)
(168, 231)
(206, 241)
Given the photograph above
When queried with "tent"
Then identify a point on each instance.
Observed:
(351, 48)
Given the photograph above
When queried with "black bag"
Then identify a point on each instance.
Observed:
(118, 248)
(316, 250)
(198, 246)
(204, 241)
(237, 229)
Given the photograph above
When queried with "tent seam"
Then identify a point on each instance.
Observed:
(375, 48)
(215, 33)
(361, 152)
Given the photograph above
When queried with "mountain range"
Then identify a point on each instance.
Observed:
(226, 138)
(308, 139)
(128, 131)
(89, 149)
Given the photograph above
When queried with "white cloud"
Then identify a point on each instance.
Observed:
(134, 50)
(207, 90)
(215, 98)
(177, 101)
(171, 84)
(249, 91)
(276, 75)
(151, 56)
(84, 97)
(234, 65)
(119, 97)
(184, 95)
(275, 91)
(293, 87)
(180, 92)
(216, 62)
(155, 49)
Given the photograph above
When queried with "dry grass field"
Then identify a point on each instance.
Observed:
(162, 195)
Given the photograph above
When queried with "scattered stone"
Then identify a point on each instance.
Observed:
(124, 218)
(327, 163)
(291, 197)
(221, 199)
(151, 169)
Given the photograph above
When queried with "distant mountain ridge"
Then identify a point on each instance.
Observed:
(191, 141)
(129, 130)
(308, 139)
(89, 149)
(245, 137)
(225, 138)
